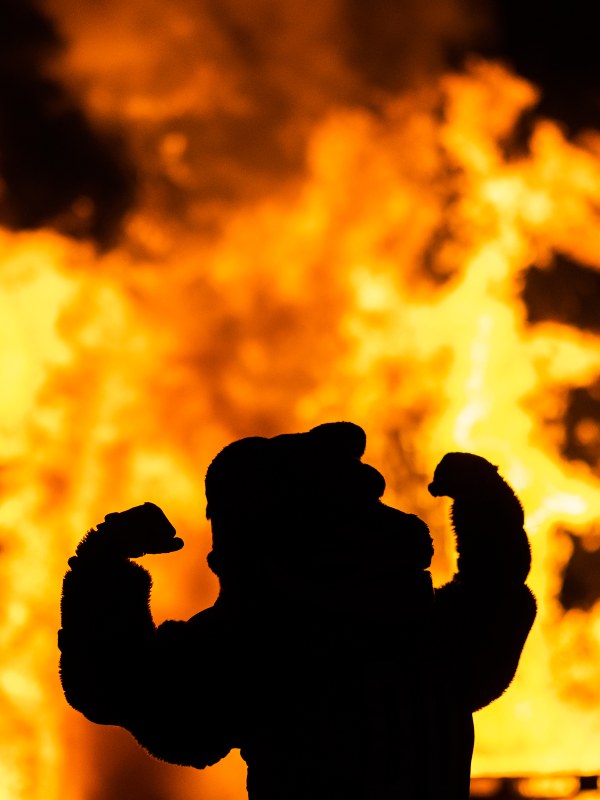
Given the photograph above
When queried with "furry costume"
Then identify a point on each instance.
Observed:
(328, 657)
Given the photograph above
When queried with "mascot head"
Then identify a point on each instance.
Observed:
(305, 504)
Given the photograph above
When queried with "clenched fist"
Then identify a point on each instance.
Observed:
(140, 530)
(460, 474)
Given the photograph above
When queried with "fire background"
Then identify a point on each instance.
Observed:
(222, 218)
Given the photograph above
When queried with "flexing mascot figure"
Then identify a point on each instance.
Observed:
(328, 658)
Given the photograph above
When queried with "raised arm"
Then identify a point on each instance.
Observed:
(117, 667)
(485, 613)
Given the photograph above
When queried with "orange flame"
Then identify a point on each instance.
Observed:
(385, 287)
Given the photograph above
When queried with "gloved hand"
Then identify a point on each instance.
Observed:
(462, 475)
(140, 530)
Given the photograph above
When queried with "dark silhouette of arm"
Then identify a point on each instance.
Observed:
(107, 629)
(484, 615)
(117, 668)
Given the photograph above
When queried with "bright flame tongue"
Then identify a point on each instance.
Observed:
(385, 290)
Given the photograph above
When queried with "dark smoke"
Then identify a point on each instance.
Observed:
(565, 291)
(54, 168)
(554, 45)
(580, 588)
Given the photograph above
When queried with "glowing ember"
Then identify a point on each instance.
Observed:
(383, 286)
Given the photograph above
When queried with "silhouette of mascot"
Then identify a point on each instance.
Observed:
(328, 658)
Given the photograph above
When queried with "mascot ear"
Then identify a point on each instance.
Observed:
(341, 436)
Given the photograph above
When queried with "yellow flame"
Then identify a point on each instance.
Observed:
(127, 373)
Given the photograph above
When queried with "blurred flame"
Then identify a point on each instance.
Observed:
(383, 286)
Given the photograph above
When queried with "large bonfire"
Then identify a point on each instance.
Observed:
(386, 280)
